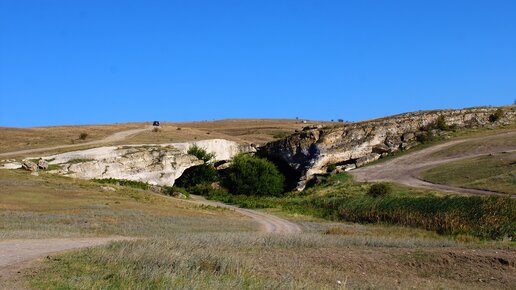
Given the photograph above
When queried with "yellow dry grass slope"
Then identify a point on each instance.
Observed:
(14, 139)
(52, 206)
(239, 130)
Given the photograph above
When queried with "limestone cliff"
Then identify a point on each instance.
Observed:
(355, 144)
(155, 164)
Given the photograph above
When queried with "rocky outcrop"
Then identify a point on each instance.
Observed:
(155, 164)
(29, 165)
(355, 144)
(42, 164)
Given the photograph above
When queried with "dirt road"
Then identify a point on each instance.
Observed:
(119, 136)
(269, 223)
(16, 255)
(406, 169)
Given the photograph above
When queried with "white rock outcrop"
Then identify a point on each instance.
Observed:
(159, 164)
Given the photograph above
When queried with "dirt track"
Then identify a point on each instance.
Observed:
(269, 223)
(406, 169)
(118, 136)
(16, 255)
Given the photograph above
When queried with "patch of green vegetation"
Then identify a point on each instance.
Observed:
(123, 182)
(490, 172)
(201, 174)
(54, 167)
(339, 198)
(331, 168)
(379, 190)
(251, 175)
(496, 116)
(79, 160)
(173, 190)
(201, 153)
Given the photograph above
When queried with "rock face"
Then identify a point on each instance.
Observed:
(42, 164)
(29, 165)
(355, 144)
(155, 164)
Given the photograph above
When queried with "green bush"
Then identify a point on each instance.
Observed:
(331, 168)
(201, 153)
(496, 116)
(204, 173)
(172, 190)
(207, 190)
(251, 175)
(379, 189)
(426, 137)
(441, 123)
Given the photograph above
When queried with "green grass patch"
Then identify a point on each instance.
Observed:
(79, 160)
(149, 265)
(339, 198)
(123, 182)
(492, 172)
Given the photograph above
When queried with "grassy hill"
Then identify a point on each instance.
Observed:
(241, 130)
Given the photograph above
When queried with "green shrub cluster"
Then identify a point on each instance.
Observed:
(201, 153)
(201, 174)
(496, 116)
(331, 168)
(441, 123)
(172, 190)
(251, 175)
(426, 137)
(123, 182)
(493, 217)
(379, 189)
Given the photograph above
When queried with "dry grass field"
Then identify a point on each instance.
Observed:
(14, 139)
(240, 130)
(183, 245)
(50, 206)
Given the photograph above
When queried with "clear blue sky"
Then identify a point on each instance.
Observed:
(83, 62)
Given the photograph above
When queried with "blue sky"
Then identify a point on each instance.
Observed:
(87, 62)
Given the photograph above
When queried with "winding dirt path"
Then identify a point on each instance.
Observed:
(16, 255)
(269, 223)
(406, 169)
(118, 136)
